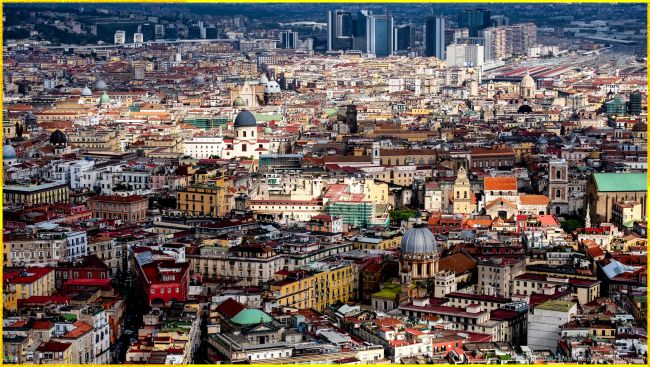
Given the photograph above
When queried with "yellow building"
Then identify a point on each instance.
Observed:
(378, 241)
(295, 292)
(419, 112)
(35, 194)
(54, 352)
(204, 175)
(377, 192)
(315, 289)
(207, 199)
(462, 194)
(625, 213)
(21, 284)
(603, 331)
(335, 284)
(522, 150)
(94, 140)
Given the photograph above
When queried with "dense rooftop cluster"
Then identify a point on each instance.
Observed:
(227, 201)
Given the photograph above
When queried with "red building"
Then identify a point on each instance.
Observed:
(164, 281)
(90, 268)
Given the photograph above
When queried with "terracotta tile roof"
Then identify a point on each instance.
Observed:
(500, 183)
(230, 308)
(533, 200)
(458, 263)
(43, 325)
(117, 198)
(80, 329)
(500, 201)
(53, 346)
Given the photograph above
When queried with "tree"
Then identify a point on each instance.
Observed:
(570, 225)
(400, 215)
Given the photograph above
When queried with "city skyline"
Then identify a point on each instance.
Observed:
(325, 183)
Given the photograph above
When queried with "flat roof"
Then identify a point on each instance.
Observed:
(559, 306)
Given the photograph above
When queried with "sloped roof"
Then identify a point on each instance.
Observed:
(459, 263)
(500, 183)
(230, 308)
(621, 182)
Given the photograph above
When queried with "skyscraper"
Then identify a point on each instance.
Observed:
(474, 20)
(524, 36)
(434, 37)
(498, 43)
(404, 37)
(148, 31)
(379, 33)
(159, 31)
(346, 30)
(289, 39)
(470, 55)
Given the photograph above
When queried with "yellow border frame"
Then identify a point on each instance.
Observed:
(306, 1)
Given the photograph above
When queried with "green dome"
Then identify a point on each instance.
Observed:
(251, 316)
(104, 98)
(239, 102)
(268, 130)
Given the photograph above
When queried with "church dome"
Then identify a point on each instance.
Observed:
(525, 109)
(8, 152)
(199, 79)
(528, 82)
(86, 92)
(58, 138)
(104, 98)
(101, 85)
(239, 102)
(245, 119)
(419, 240)
(268, 130)
(263, 78)
(272, 87)
(251, 316)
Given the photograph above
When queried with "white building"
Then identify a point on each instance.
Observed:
(138, 38)
(465, 55)
(203, 147)
(77, 245)
(120, 37)
(545, 324)
(246, 143)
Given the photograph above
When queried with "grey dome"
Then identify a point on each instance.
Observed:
(58, 138)
(272, 87)
(86, 92)
(419, 240)
(199, 79)
(100, 85)
(525, 109)
(8, 152)
(245, 119)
